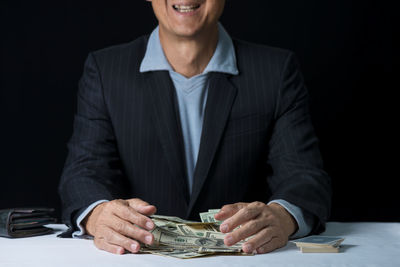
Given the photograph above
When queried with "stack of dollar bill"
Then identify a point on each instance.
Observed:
(185, 239)
(319, 244)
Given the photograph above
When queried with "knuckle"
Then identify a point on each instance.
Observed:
(141, 235)
(135, 232)
(270, 217)
(246, 212)
(138, 219)
(107, 205)
(133, 201)
(112, 205)
(270, 206)
(98, 229)
(107, 236)
(126, 243)
(114, 202)
(138, 234)
(264, 231)
(259, 204)
(118, 202)
(254, 224)
(235, 234)
(242, 205)
(240, 235)
(119, 226)
(141, 220)
(126, 213)
(265, 213)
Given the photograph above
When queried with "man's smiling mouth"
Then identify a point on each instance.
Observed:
(185, 8)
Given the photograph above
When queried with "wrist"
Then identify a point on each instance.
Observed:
(289, 224)
(90, 220)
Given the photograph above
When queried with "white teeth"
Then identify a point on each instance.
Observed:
(183, 8)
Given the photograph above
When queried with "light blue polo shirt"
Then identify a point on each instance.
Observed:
(191, 92)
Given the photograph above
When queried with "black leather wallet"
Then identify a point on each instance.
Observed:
(25, 222)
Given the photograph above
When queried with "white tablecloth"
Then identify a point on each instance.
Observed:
(366, 244)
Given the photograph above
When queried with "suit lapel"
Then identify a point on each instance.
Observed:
(166, 121)
(221, 95)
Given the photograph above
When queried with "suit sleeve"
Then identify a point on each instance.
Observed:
(93, 169)
(294, 157)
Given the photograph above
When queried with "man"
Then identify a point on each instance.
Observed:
(185, 120)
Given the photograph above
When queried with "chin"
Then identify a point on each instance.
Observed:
(186, 32)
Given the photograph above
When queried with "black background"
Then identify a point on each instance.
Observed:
(346, 49)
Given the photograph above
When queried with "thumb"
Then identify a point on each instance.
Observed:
(142, 206)
(228, 211)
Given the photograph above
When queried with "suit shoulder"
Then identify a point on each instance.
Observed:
(135, 48)
(261, 53)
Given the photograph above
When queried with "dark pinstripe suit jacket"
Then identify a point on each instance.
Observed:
(257, 142)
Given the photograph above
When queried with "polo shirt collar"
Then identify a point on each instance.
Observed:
(223, 59)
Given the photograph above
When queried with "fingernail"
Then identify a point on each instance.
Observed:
(148, 239)
(120, 251)
(149, 225)
(247, 248)
(224, 228)
(229, 239)
(134, 247)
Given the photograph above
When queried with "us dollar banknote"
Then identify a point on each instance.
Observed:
(184, 239)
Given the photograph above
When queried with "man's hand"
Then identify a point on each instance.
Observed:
(270, 224)
(114, 225)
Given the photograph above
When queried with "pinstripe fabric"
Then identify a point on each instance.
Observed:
(257, 141)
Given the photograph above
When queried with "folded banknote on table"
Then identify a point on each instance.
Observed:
(25, 222)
